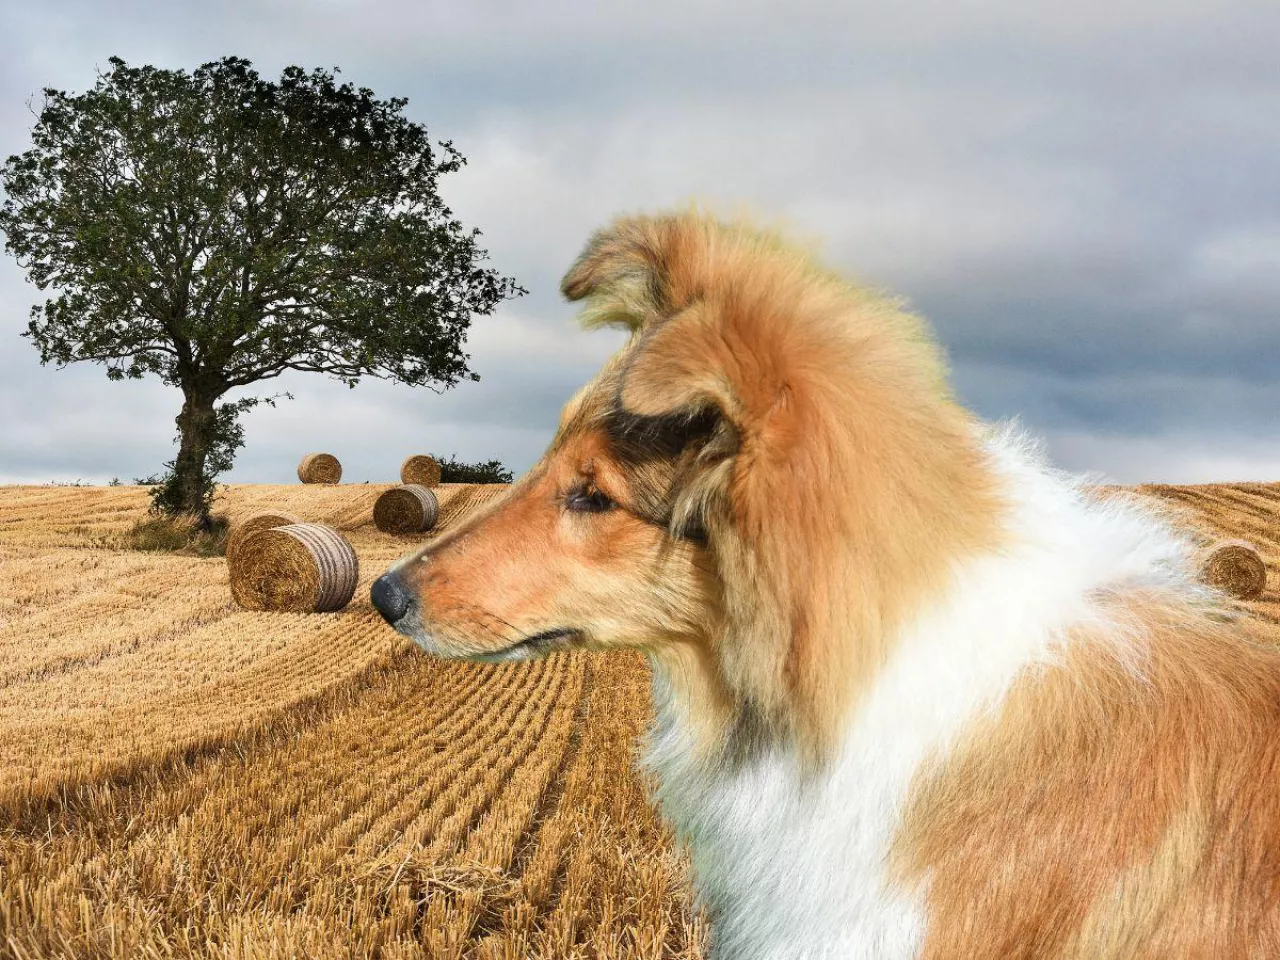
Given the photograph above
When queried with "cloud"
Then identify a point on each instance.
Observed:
(1178, 458)
(1081, 198)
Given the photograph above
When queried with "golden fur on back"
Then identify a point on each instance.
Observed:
(1111, 811)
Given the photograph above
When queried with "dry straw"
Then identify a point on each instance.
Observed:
(408, 509)
(421, 470)
(320, 468)
(301, 568)
(253, 522)
(1235, 567)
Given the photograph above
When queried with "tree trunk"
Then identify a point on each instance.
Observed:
(189, 487)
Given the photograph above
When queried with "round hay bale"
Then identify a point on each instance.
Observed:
(253, 522)
(409, 509)
(1235, 567)
(301, 568)
(421, 470)
(320, 468)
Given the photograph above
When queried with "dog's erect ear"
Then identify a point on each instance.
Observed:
(699, 371)
(646, 274)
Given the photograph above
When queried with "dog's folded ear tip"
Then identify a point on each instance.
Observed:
(622, 251)
(576, 284)
(572, 285)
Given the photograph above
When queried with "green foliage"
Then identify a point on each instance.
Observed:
(216, 229)
(455, 471)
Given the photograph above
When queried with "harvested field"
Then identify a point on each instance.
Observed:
(179, 777)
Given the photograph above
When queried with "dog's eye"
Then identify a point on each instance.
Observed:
(587, 501)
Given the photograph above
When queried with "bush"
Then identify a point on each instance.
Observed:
(453, 470)
(182, 534)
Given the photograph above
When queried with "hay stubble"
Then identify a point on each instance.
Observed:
(183, 778)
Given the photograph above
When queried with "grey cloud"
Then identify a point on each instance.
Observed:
(1084, 200)
(1124, 405)
(1178, 458)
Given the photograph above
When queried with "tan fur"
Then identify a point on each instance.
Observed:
(1104, 813)
(839, 484)
(853, 465)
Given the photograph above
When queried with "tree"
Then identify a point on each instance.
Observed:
(216, 229)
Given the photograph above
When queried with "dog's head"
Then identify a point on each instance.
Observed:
(756, 488)
(583, 551)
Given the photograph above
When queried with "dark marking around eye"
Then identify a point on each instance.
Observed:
(660, 453)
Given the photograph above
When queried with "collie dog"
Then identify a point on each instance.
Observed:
(916, 693)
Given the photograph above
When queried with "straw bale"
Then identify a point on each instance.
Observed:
(409, 509)
(253, 522)
(320, 468)
(1236, 567)
(421, 470)
(299, 568)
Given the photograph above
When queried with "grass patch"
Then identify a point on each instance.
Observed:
(181, 535)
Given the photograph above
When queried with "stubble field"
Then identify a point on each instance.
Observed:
(179, 777)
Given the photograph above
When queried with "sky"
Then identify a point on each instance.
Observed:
(1083, 199)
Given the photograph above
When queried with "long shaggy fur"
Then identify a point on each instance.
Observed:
(917, 694)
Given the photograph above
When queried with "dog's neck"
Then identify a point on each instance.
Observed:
(721, 721)
(809, 611)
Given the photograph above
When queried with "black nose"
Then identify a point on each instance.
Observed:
(391, 597)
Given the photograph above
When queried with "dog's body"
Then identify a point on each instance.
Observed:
(917, 694)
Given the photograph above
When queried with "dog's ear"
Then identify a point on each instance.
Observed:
(677, 367)
(643, 273)
(636, 270)
(680, 386)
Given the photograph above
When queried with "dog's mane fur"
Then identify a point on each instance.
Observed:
(1075, 805)
(841, 480)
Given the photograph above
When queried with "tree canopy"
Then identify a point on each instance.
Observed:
(216, 229)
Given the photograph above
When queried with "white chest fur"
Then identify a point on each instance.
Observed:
(795, 868)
